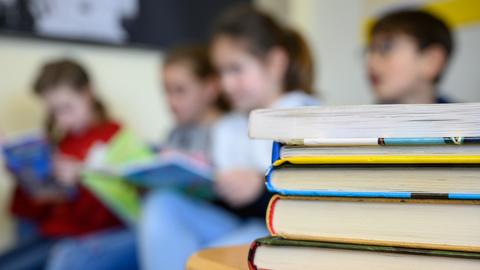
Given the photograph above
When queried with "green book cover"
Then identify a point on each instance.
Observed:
(120, 196)
(277, 241)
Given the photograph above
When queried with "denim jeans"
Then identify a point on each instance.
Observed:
(107, 250)
(31, 250)
(31, 254)
(110, 249)
(174, 226)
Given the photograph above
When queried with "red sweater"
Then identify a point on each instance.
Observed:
(84, 213)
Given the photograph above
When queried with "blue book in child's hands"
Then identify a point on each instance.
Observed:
(29, 160)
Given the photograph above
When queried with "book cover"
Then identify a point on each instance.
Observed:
(311, 219)
(120, 196)
(28, 158)
(386, 141)
(367, 159)
(168, 169)
(337, 125)
(407, 153)
(280, 242)
(413, 193)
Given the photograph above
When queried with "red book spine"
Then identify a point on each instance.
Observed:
(270, 213)
(251, 255)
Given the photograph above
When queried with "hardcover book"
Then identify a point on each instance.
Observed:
(455, 123)
(429, 224)
(415, 181)
(281, 254)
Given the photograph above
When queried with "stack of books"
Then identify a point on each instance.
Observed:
(371, 187)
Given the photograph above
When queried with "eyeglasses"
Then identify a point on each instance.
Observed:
(385, 46)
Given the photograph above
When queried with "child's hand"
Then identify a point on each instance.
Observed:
(239, 187)
(66, 170)
(48, 196)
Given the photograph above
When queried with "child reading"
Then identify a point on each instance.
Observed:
(261, 64)
(408, 53)
(76, 121)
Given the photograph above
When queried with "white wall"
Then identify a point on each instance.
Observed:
(127, 79)
(332, 27)
(463, 81)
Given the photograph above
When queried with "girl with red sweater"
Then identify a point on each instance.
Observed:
(77, 120)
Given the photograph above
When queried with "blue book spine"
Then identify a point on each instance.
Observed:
(365, 194)
(276, 147)
(429, 141)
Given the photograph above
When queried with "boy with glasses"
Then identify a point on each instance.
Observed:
(407, 55)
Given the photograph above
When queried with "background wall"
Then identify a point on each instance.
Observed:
(128, 78)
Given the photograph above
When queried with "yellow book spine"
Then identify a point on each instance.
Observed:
(380, 160)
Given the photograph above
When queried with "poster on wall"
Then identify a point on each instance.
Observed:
(155, 23)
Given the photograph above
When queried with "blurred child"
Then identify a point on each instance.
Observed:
(408, 54)
(77, 120)
(261, 65)
(196, 102)
(194, 98)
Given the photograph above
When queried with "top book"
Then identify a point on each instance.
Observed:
(455, 123)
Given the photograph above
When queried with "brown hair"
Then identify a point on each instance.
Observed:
(262, 33)
(426, 29)
(71, 73)
(198, 59)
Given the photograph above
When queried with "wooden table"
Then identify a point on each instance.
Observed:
(226, 258)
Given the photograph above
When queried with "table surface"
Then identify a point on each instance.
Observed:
(226, 258)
